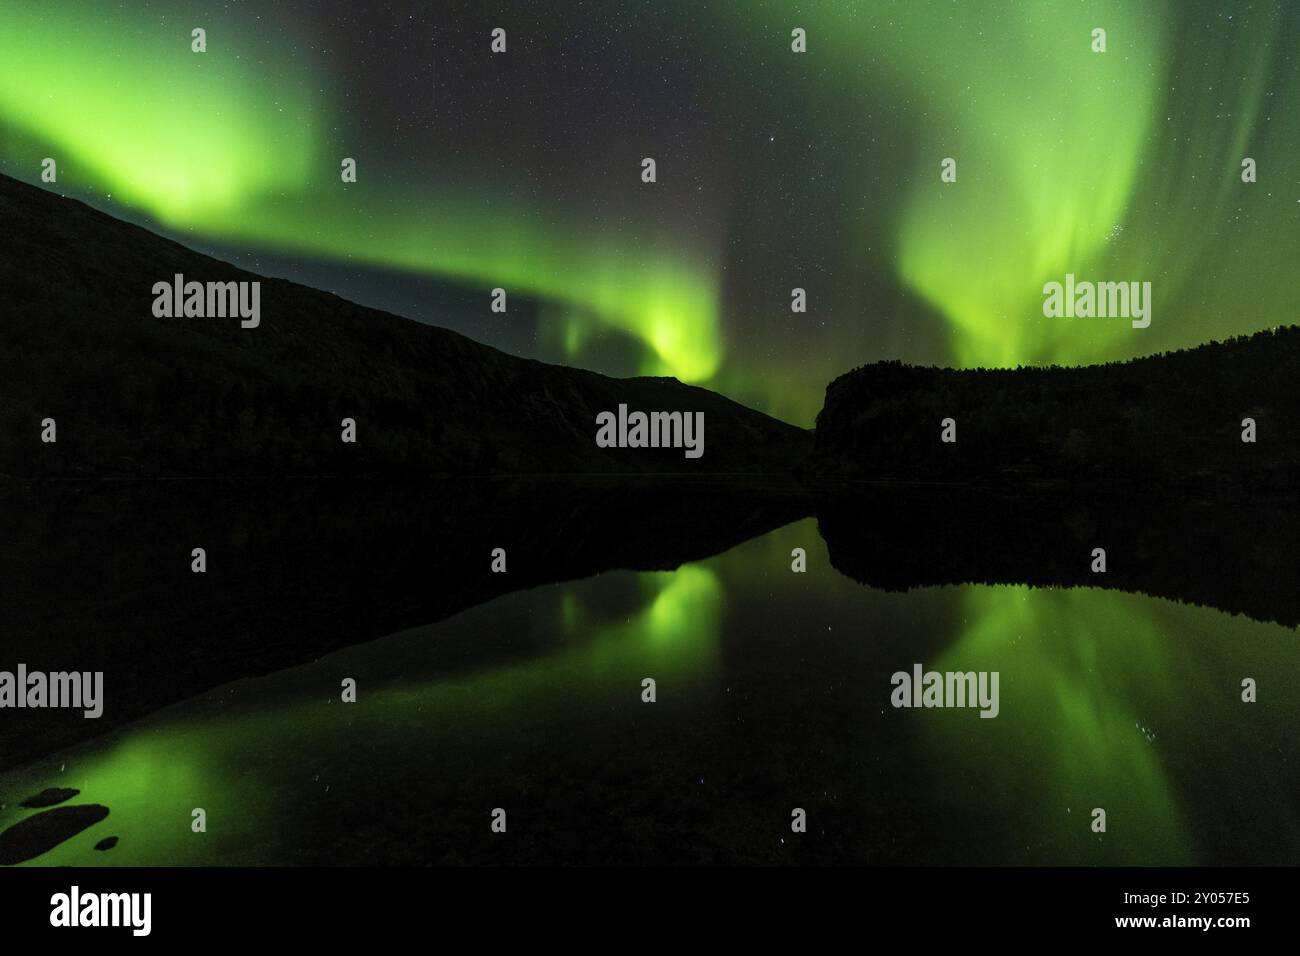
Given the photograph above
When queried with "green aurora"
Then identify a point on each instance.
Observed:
(259, 170)
(819, 170)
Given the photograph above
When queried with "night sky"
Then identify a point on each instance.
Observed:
(775, 169)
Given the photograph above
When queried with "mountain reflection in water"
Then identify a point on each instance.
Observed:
(772, 693)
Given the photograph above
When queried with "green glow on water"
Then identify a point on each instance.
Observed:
(1107, 699)
(245, 760)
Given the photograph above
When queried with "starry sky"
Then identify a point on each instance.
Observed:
(775, 169)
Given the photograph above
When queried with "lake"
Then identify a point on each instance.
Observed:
(772, 692)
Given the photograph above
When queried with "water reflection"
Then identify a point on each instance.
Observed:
(773, 693)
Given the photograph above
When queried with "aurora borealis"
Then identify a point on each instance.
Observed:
(775, 170)
(307, 484)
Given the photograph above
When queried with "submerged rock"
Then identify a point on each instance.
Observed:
(49, 797)
(41, 833)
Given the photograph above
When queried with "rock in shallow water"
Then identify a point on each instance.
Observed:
(41, 833)
(49, 797)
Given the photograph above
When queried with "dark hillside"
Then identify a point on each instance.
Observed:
(1172, 419)
(139, 396)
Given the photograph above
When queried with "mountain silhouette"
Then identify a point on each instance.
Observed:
(134, 395)
(1170, 420)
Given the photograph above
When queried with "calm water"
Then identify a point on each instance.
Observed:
(773, 693)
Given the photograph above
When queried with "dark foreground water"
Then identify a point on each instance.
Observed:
(773, 693)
